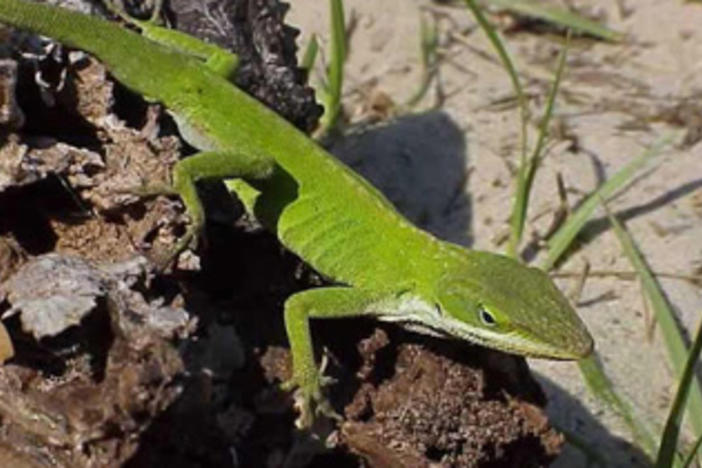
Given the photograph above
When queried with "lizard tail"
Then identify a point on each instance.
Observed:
(71, 28)
(125, 53)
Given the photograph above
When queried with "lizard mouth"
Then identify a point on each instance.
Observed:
(565, 347)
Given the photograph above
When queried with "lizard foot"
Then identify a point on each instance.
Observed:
(168, 256)
(188, 241)
(150, 191)
(309, 399)
(119, 11)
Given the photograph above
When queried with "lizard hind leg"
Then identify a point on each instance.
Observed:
(156, 11)
(218, 60)
(117, 8)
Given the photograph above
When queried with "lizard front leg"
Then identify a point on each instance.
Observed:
(211, 165)
(329, 302)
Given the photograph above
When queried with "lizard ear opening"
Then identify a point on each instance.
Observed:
(439, 312)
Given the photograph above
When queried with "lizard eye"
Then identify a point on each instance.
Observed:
(486, 317)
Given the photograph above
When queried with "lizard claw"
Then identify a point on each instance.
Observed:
(121, 13)
(309, 399)
(168, 256)
(310, 405)
(188, 241)
(150, 191)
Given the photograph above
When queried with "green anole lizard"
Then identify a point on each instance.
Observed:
(381, 265)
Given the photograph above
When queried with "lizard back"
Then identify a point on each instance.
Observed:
(319, 208)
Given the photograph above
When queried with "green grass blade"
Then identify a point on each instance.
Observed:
(695, 448)
(428, 44)
(496, 42)
(561, 240)
(672, 335)
(558, 16)
(527, 171)
(600, 385)
(335, 72)
(669, 441)
(594, 375)
(310, 55)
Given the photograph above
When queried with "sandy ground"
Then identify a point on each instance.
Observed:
(449, 168)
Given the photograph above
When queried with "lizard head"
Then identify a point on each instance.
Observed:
(500, 303)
